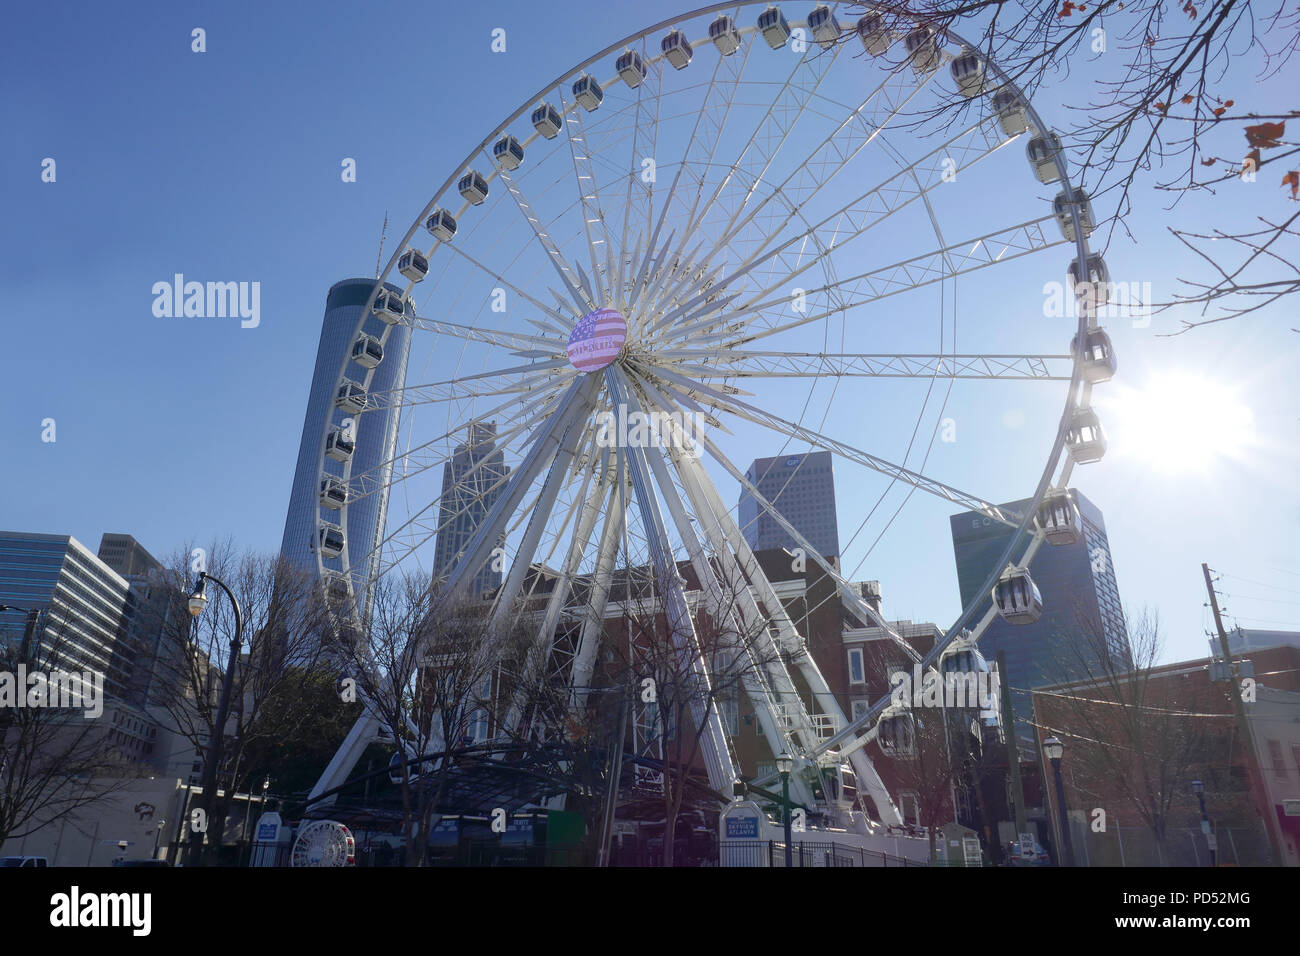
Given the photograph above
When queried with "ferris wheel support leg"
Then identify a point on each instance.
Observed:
(869, 780)
(717, 754)
(345, 758)
(584, 659)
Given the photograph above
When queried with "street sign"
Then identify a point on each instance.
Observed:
(742, 828)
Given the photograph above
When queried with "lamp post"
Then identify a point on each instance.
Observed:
(198, 601)
(157, 836)
(1198, 788)
(784, 764)
(1053, 749)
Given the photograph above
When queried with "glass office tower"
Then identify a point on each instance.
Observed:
(1079, 590)
(471, 483)
(376, 435)
(802, 488)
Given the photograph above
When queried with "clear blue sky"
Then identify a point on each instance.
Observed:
(225, 166)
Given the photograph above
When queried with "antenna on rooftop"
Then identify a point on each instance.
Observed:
(382, 233)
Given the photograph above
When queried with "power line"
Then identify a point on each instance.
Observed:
(1274, 587)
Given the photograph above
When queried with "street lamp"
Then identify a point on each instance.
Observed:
(1198, 788)
(1053, 749)
(784, 764)
(198, 601)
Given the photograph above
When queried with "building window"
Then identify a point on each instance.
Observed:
(909, 805)
(857, 675)
(729, 711)
(1275, 755)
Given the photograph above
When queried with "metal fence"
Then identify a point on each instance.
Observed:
(748, 853)
(1182, 847)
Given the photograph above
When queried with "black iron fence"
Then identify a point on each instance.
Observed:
(743, 853)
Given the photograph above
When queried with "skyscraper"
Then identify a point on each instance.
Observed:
(802, 487)
(1078, 587)
(375, 435)
(468, 494)
(83, 606)
(158, 615)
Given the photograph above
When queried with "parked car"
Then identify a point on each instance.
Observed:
(141, 863)
(24, 861)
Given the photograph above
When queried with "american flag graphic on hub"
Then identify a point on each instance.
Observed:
(596, 340)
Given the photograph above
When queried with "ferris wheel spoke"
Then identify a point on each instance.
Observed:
(593, 613)
(414, 461)
(580, 302)
(827, 159)
(851, 598)
(715, 745)
(538, 456)
(528, 378)
(545, 637)
(740, 564)
(855, 218)
(559, 318)
(767, 137)
(531, 345)
(766, 681)
(922, 482)
(593, 217)
(705, 138)
(739, 363)
(550, 440)
(645, 141)
(955, 259)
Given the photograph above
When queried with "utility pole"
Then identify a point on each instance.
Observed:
(1247, 736)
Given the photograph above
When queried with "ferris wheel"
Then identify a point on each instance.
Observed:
(763, 234)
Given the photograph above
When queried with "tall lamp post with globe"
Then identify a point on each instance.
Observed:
(784, 764)
(198, 601)
(1053, 749)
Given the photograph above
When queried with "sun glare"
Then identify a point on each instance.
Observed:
(1179, 423)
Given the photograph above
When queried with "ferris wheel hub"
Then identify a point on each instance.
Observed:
(597, 340)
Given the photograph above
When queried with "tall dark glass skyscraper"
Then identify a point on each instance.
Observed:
(802, 487)
(1077, 583)
(375, 435)
(471, 484)
(83, 608)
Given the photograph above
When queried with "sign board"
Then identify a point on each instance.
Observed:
(742, 828)
(1212, 840)
(267, 832)
(970, 847)
(1205, 826)
(1027, 841)
(1291, 808)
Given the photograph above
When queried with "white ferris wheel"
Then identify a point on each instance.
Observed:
(756, 222)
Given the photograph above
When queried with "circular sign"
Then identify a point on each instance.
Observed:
(597, 339)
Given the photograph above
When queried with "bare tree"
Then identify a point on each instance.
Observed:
(923, 766)
(57, 758)
(681, 676)
(439, 678)
(1170, 105)
(284, 630)
(1130, 732)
